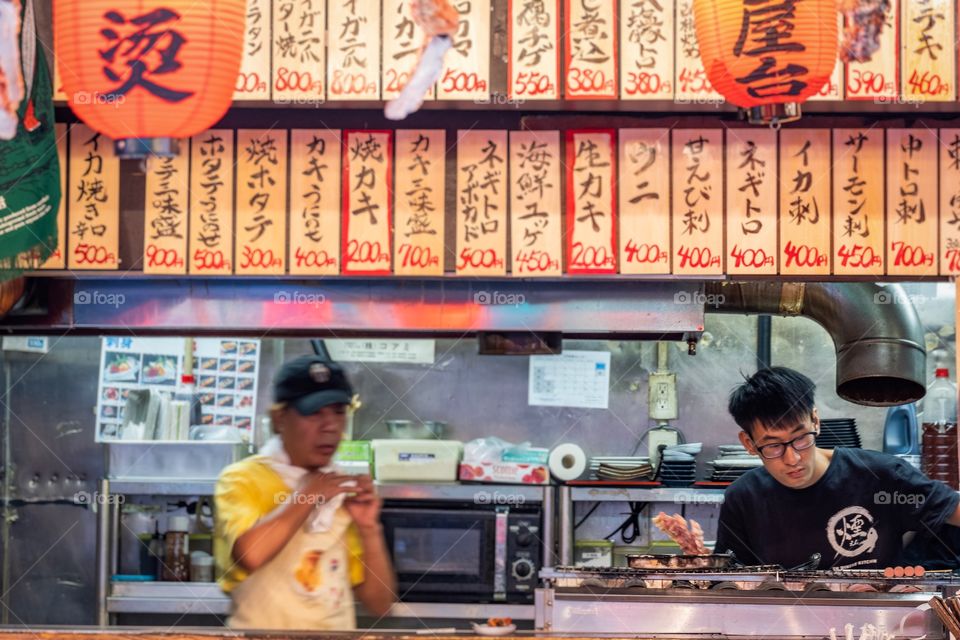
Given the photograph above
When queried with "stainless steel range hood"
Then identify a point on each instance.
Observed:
(623, 309)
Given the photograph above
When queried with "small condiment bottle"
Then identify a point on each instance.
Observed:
(176, 557)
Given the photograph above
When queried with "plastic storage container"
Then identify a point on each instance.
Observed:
(939, 453)
(593, 553)
(176, 552)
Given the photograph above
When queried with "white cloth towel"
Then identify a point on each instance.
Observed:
(294, 477)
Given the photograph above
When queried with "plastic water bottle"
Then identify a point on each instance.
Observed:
(939, 449)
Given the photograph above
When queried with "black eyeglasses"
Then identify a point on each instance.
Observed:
(777, 449)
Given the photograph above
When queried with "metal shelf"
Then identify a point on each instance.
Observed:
(206, 598)
(678, 495)
(163, 486)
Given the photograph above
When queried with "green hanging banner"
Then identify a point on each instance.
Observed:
(29, 168)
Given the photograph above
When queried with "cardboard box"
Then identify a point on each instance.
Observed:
(504, 472)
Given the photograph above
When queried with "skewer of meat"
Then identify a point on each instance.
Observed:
(439, 22)
(690, 540)
(864, 22)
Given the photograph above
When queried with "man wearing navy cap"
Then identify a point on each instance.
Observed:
(294, 539)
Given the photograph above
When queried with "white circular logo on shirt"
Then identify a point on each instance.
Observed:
(319, 373)
(851, 532)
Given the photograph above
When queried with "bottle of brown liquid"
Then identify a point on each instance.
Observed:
(176, 557)
(940, 458)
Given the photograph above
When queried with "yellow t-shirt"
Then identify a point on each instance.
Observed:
(247, 491)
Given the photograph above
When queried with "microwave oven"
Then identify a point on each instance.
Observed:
(453, 552)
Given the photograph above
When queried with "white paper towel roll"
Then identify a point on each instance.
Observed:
(567, 461)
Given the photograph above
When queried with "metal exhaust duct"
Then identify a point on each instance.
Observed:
(881, 359)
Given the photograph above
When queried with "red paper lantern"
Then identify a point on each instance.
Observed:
(141, 69)
(767, 56)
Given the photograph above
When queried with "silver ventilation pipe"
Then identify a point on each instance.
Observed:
(881, 360)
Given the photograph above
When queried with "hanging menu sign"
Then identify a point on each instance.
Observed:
(58, 258)
(314, 202)
(697, 201)
(211, 202)
(253, 83)
(805, 223)
(534, 57)
(751, 192)
(402, 39)
(165, 213)
(367, 220)
(691, 82)
(644, 186)
(858, 202)
(482, 176)
(591, 202)
(94, 206)
(949, 201)
(421, 176)
(929, 50)
(299, 54)
(646, 49)
(466, 68)
(878, 77)
(590, 68)
(912, 202)
(261, 230)
(353, 52)
(833, 89)
(535, 223)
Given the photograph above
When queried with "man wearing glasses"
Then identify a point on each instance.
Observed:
(852, 506)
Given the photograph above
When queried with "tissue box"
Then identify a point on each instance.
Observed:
(504, 472)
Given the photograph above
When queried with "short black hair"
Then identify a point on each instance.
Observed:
(777, 397)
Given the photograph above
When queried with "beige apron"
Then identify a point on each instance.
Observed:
(306, 586)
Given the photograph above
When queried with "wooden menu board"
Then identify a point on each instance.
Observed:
(299, 51)
(534, 56)
(929, 51)
(949, 201)
(697, 201)
(644, 187)
(858, 202)
(466, 68)
(879, 77)
(353, 50)
(402, 39)
(646, 49)
(535, 220)
(751, 192)
(58, 258)
(315, 157)
(94, 207)
(253, 83)
(367, 202)
(482, 180)
(421, 180)
(590, 59)
(912, 221)
(690, 83)
(591, 202)
(806, 226)
(261, 228)
(165, 213)
(211, 202)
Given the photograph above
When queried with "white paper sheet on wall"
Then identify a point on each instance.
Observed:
(572, 379)
(409, 351)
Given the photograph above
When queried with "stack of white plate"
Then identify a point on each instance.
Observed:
(623, 468)
(733, 462)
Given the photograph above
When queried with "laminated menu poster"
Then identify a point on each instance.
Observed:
(225, 369)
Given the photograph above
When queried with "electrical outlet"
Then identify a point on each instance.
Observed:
(657, 437)
(663, 396)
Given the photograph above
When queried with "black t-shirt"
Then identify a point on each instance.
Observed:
(854, 516)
